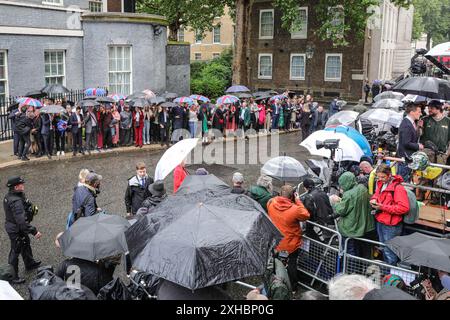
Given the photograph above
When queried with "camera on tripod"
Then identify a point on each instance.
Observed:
(330, 144)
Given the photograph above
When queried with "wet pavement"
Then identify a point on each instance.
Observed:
(50, 186)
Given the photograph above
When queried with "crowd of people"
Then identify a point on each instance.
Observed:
(110, 125)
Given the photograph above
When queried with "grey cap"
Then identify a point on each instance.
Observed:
(238, 177)
(92, 178)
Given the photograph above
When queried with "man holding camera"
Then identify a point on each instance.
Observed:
(19, 213)
(286, 212)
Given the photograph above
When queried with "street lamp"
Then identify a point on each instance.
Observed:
(309, 56)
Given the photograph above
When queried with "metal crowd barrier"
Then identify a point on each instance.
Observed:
(374, 269)
(320, 261)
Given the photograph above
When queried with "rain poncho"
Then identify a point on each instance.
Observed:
(354, 211)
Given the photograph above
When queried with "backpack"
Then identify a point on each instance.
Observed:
(74, 216)
(276, 281)
(413, 214)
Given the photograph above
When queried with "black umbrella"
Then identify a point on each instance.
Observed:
(264, 96)
(90, 98)
(88, 103)
(202, 239)
(55, 89)
(422, 250)
(244, 95)
(95, 237)
(53, 109)
(157, 100)
(170, 95)
(139, 103)
(272, 92)
(36, 94)
(388, 293)
(168, 104)
(105, 100)
(196, 183)
(433, 88)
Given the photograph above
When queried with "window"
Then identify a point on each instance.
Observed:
(181, 35)
(266, 24)
(265, 66)
(198, 36)
(297, 66)
(303, 32)
(96, 6)
(216, 34)
(53, 2)
(3, 76)
(120, 72)
(333, 67)
(337, 22)
(55, 70)
(216, 55)
(198, 56)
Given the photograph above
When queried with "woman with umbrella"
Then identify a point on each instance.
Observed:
(115, 126)
(60, 126)
(138, 121)
(231, 118)
(218, 119)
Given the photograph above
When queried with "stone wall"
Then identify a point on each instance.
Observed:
(178, 69)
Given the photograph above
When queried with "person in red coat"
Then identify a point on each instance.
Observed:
(138, 120)
(390, 203)
(178, 175)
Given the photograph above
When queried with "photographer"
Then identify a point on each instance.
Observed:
(286, 211)
(19, 212)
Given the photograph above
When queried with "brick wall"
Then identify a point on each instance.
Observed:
(114, 5)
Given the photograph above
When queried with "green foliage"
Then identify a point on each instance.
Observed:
(212, 78)
(433, 18)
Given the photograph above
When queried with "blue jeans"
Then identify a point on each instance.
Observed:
(193, 128)
(386, 233)
(404, 172)
(275, 119)
(146, 133)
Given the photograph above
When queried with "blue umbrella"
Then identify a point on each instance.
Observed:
(95, 92)
(354, 134)
(184, 100)
(237, 88)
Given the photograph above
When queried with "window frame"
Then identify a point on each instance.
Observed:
(305, 36)
(260, 55)
(131, 68)
(216, 53)
(290, 66)
(261, 11)
(214, 35)
(59, 3)
(195, 56)
(196, 35)
(325, 71)
(97, 2)
(180, 31)
(6, 80)
(64, 65)
(341, 7)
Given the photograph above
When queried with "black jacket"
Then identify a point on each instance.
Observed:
(238, 190)
(86, 198)
(23, 124)
(16, 223)
(408, 139)
(136, 194)
(319, 207)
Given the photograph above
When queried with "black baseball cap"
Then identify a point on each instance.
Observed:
(14, 181)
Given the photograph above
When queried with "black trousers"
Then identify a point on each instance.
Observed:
(107, 138)
(77, 141)
(20, 246)
(164, 135)
(60, 140)
(292, 269)
(154, 136)
(24, 144)
(16, 139)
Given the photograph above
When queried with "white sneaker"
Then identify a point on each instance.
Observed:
(58, 153)
(62, 153)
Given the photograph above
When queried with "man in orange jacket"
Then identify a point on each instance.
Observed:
(286, 212)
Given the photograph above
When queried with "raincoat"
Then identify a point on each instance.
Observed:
(261, 195)
(354, 208)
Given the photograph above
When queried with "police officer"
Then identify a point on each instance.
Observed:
(18, 212)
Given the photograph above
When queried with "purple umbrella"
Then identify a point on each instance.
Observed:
(237, 88)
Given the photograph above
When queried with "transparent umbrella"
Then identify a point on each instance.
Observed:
(345, 118)
(392, 104)
(285, 169)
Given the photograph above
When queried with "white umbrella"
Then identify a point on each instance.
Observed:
(383, 116)
(7, 292)
(441, 50)
(173, 157)
(345, 118)
(285, 169)
(392, 104)
(348, 149)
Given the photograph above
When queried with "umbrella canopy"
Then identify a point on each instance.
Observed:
(441, 50)
(117, 97)
(228, 99)
(26, 101)
(88, 103)
(272, 92)
(95, 92)
(95, 237)
(139, 103)
(168, 104)
(202, 239)
(157, 100)
(149, 93)
(237, 88)
(422, 250)
(356, 136)
(36, 94)
(414, 98)
(170, 95)
(137, 95)
(105, 100)
(393, 104)
(196, 183)
(244, 95)
(389, 95)
(260, 93)
(433, 88)
(263, 97)
(345, 118)
(55, 89)
(286, 169)
(7, 292)
(173, 157)
(199, 97)
(348, 149)
(279, 97)
(184, 100)
(53, 109)
(383, 116)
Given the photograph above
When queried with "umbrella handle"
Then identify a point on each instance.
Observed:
(142, 287)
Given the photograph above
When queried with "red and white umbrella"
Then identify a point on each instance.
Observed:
(441, 50)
